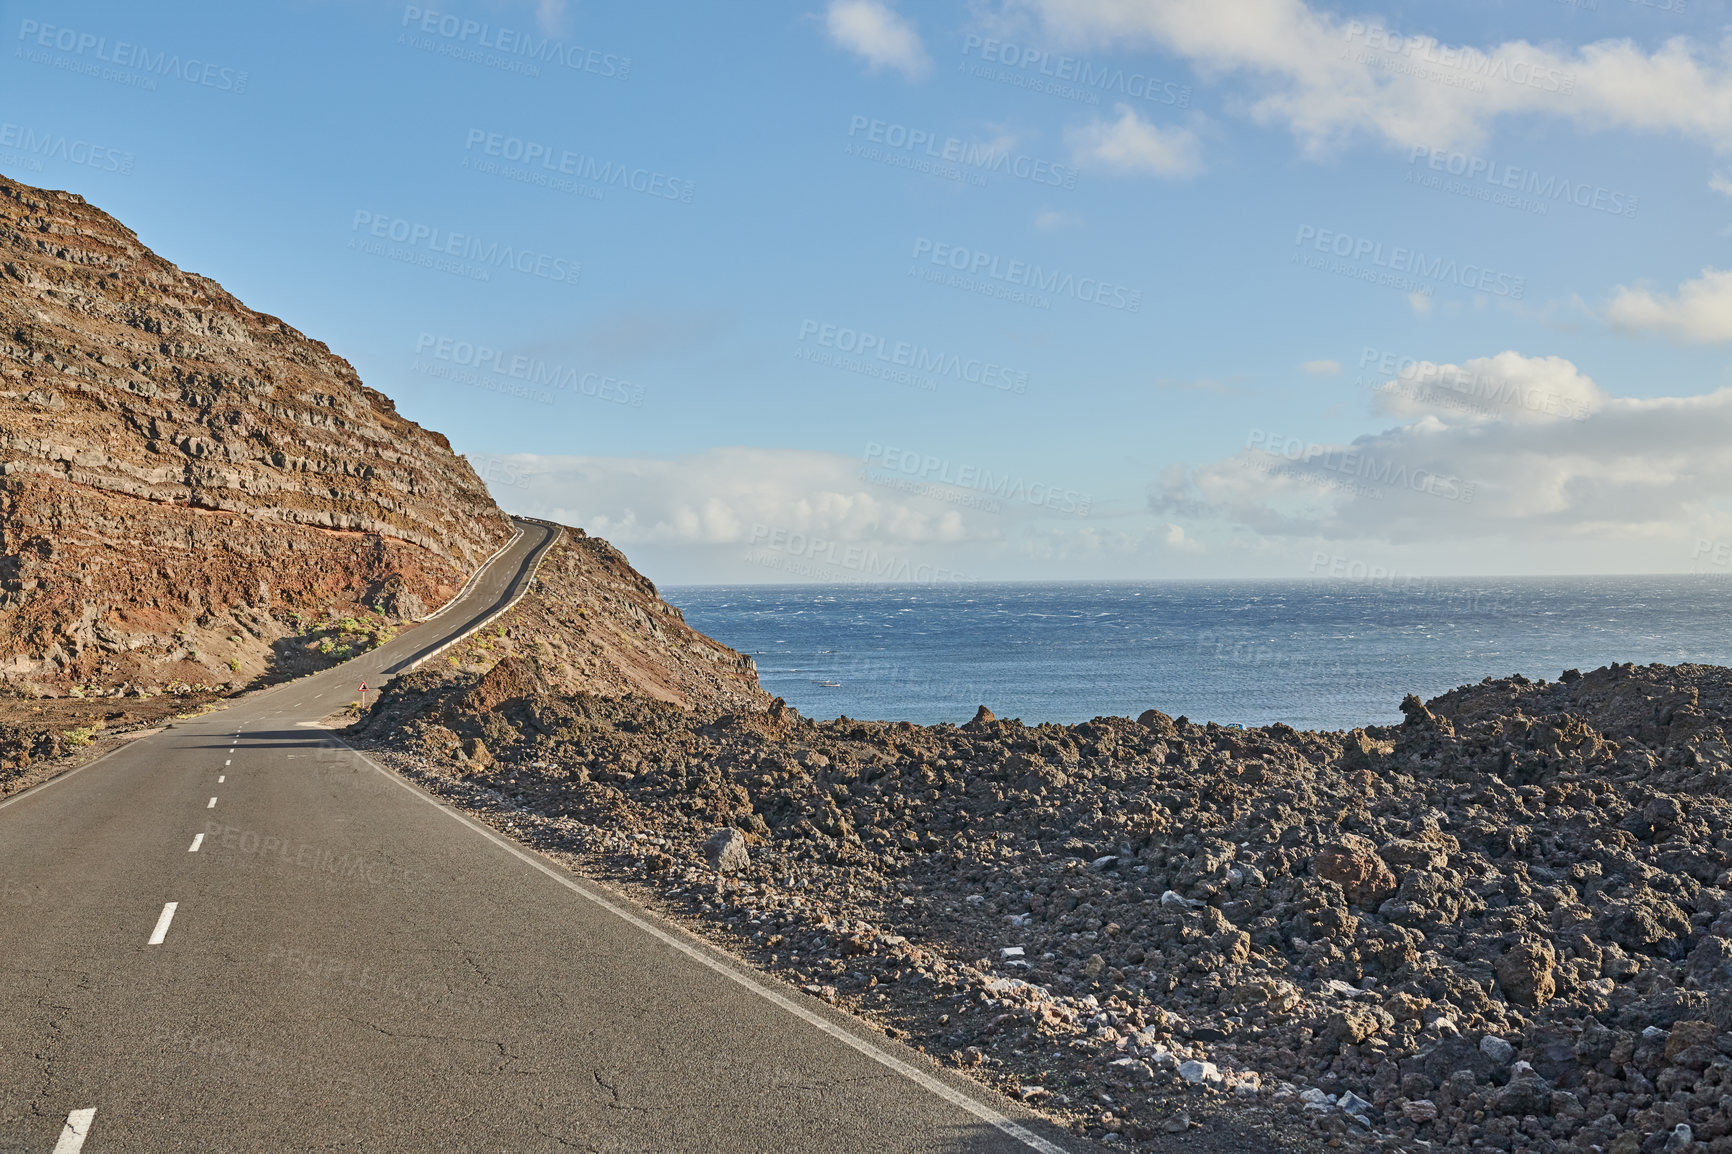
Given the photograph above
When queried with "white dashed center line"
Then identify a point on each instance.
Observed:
(230, 761)
(220, 777)
(160, 932)
(197, 840)
(212, 804)
(73, 1134)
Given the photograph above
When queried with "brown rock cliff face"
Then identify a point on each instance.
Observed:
(183, 480)
(592, 625)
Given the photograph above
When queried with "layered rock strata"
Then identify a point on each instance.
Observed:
(186, 483)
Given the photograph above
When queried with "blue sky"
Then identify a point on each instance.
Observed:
(1026, 289)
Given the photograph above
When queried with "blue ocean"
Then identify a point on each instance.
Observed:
(1315, 655)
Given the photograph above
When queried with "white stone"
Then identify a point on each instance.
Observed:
(726, 850)
(1009, 952)
(1200, 1073)
(1351, 1103)
(1497, 1049)
(1159, 1057)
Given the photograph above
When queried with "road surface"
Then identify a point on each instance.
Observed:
(236, 935)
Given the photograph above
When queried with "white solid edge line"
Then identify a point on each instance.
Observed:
(197, 840)
(920, 1077)
(73, 1134)
(538, 554)
(161, 930)
(516, 536)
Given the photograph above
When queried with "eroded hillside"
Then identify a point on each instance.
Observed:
(184, 482)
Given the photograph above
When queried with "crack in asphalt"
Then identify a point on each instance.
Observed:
(504, 1050)
(613, 1091)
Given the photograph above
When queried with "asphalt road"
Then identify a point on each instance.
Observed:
(237, 935)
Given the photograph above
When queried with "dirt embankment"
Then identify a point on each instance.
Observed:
(594, 625)
(1505, 923)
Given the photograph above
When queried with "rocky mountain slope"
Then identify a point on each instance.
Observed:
(1505, 924)
(593, 627)
(186, 483)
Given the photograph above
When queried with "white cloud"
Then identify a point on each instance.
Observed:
(1131, 550)
(1131, 144)
(1720, 183)
(1321, 368)
(1634, 479)
(1048, 219)
(1701, 312)
(1328, 79)
(716, 497)
(1509, 386)
(550, 16)
(1174, 537)
(877, 32)
(756, 515)
(1419, 303)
